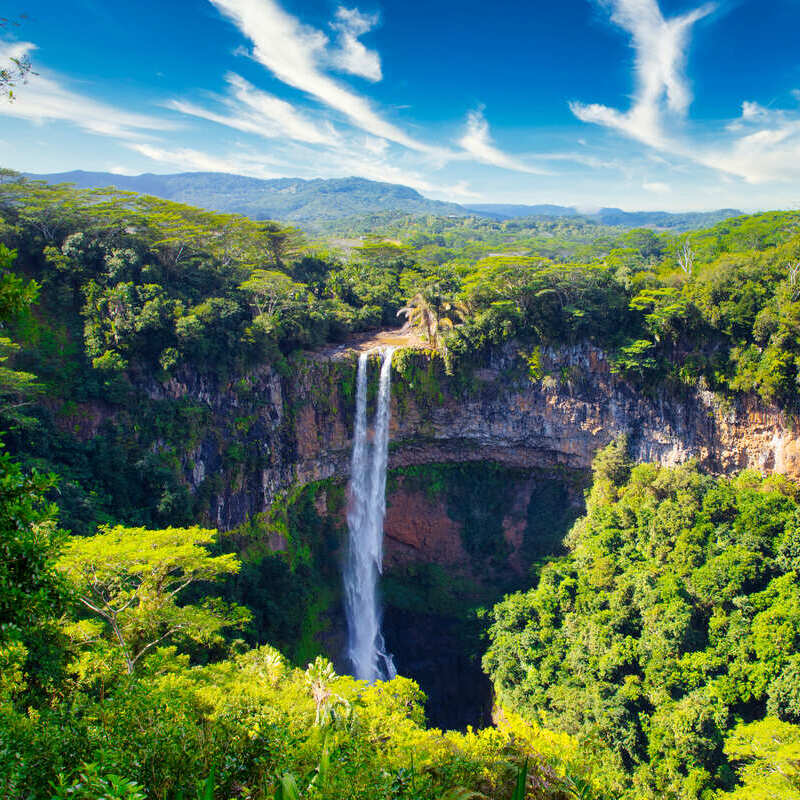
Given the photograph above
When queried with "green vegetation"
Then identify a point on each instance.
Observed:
(658, 658)
(12, 74)
(132, 716)
(131, 580)
(673, 619)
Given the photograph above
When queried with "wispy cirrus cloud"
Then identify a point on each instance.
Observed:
(657, 187)
(188, 159)
(252, 110)
(296, 55)
(46, 98)
(351, 55)
(661, 86)
(477, 142)
(766, 150)
(760, 146)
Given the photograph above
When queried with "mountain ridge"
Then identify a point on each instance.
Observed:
(315, 201)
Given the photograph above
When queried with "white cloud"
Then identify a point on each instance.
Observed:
(293, 53)
(251, 110)
(766, 155)
(352, 56)
(657, 187)
(186, 159)
(378, 147)
(753, 111)
(761, 145)
(661, 86)
(44, 98)
(477, 142)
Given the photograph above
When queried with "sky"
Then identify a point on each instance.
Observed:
(639, 104)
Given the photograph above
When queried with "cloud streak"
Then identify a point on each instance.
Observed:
(477, 142)
(294, 52)
(46, 99)
(184, 158)
(252, 110)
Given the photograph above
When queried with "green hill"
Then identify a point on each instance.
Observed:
(323, 205)
(664, 220)
(287, 199)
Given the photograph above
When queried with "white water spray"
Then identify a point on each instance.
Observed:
(367, 508)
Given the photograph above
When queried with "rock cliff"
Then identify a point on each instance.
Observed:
(298, 426)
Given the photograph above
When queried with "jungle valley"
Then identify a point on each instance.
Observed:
(587, 505)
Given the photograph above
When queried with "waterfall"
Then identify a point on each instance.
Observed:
(365, 514)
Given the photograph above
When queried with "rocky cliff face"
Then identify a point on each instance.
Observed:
(298, 428)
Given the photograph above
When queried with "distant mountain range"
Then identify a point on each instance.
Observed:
(686, 220)
(312, 203)
(286, 199)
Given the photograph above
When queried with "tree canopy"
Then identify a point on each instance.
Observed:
(674, 614)
(132, 579)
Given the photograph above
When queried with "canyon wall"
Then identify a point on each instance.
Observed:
(298, 426)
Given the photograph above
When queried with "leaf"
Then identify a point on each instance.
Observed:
(462, 793)
(205, 790)
(287, 788)
(522, 780)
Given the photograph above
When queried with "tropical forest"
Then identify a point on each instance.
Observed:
(359, 486)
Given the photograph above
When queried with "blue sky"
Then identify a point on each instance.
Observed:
(633, 103)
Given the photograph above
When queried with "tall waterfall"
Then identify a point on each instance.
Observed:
(365, 514)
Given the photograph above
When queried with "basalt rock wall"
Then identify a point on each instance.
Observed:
(297, 427)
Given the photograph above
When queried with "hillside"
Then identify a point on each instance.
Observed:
(286, 199)
(664, 220)
(323, 206)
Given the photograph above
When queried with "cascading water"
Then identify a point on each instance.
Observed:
(365, 514)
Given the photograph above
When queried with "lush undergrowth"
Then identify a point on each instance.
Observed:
(662, 649)
(249, 724)
(674, 618)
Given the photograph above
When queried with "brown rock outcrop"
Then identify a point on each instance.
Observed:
(303, 425)
(418, 528)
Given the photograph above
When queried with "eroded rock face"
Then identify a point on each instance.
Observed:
(301, 426)
(525, 515)
(417, 525)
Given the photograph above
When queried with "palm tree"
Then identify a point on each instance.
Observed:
(429, 311)
(419, 314)
(319, 676)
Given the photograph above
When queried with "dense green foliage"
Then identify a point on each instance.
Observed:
(674, 615)
(131, 582)
(246, 725)
(662, 648)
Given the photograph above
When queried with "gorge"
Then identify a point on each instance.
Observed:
(301, 429)
(487, 471)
